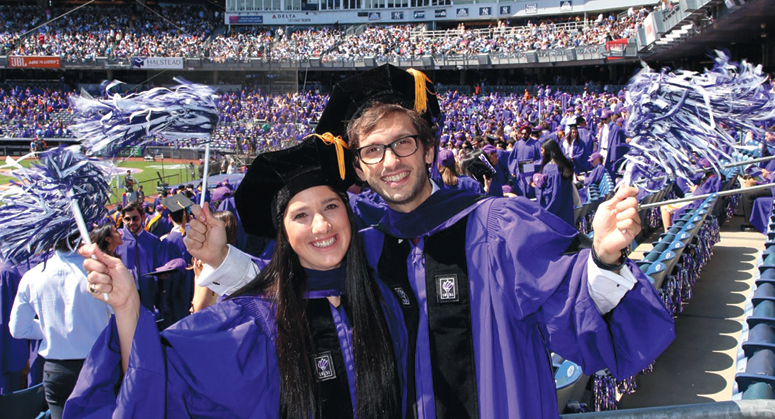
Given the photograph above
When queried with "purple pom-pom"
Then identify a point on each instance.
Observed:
(36, 211)
(159, 115)
(674, 115)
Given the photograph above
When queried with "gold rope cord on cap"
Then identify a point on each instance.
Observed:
(340, 145)
(420, 89)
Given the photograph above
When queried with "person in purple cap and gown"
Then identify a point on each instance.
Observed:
(142, 252)
(159, 223)
(524, 157)
(314, 334)
(497, 159)
(709, 183)
(611, 138)
(555, 191)
(488, 284)
(598, 170)
(449, 174)
(178, 287)
(575, 150)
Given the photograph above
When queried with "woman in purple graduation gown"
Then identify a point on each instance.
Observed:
(449, 174)
(554, 185)
(288, 344)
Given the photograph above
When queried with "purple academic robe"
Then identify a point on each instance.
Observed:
(526, 152)
(368, 207)
(502, 176)
(710, 185)
(526, 295)
(579, 154)
(14, 353)
(467, 183)
(587, 139)
(178, 287)
(615, 139)
(149, 253)
(217, 363)
(594, 176)
(556, 194)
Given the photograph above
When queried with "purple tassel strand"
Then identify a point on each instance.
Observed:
(36, 212)
(161, 115)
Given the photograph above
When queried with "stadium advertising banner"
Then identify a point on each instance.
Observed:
(441, 13)
(650, 27)
(566, 6)
(158, 63)
(485, 11)
(34, 62)
(419, 14)
(246, 20)
(462, 12)
(375, 16)
(505, 10)
(531, 8)
(397, 15)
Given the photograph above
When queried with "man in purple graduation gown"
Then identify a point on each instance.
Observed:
(526, 152)
(488, 284)
(141, 253)
(610, 139)
(598, 170)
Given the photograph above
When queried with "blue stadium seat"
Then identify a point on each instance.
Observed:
(569, 382)
(761, 336)
(760, 368)
(758, 391)
(23, 404)
(764, 292)
(767, 276)
(764, 312)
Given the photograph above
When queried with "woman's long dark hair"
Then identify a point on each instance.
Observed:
(100, 236)
(553, 152)
(377, 383)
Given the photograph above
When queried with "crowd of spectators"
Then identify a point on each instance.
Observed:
(30, 112)
(254, 121)
(119, 32)
(241, 44)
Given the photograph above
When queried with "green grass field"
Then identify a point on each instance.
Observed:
(174, 173)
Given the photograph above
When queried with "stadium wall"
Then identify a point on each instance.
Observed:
(353, 12)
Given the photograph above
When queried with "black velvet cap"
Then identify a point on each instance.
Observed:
(383, 84)
(275, 177)
(177, 202)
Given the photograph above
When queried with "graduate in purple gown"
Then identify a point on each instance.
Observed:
(709, 183)
(598, 170)
(312, 335)
(611, 138)
(556, 191)
(449, 174)
(522, 161)
(488, 284)
(142, 252)
(158, 223)
(576, 151)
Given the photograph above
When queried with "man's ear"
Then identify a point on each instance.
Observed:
(359, 172)
(429, 154)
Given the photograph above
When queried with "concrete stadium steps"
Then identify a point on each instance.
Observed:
(699, 366)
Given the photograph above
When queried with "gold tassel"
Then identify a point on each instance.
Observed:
(420, 90)
(340, 145)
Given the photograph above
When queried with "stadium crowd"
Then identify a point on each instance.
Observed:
(121, 32)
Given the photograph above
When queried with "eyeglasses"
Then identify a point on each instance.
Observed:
(132, 218)
(375, 153)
